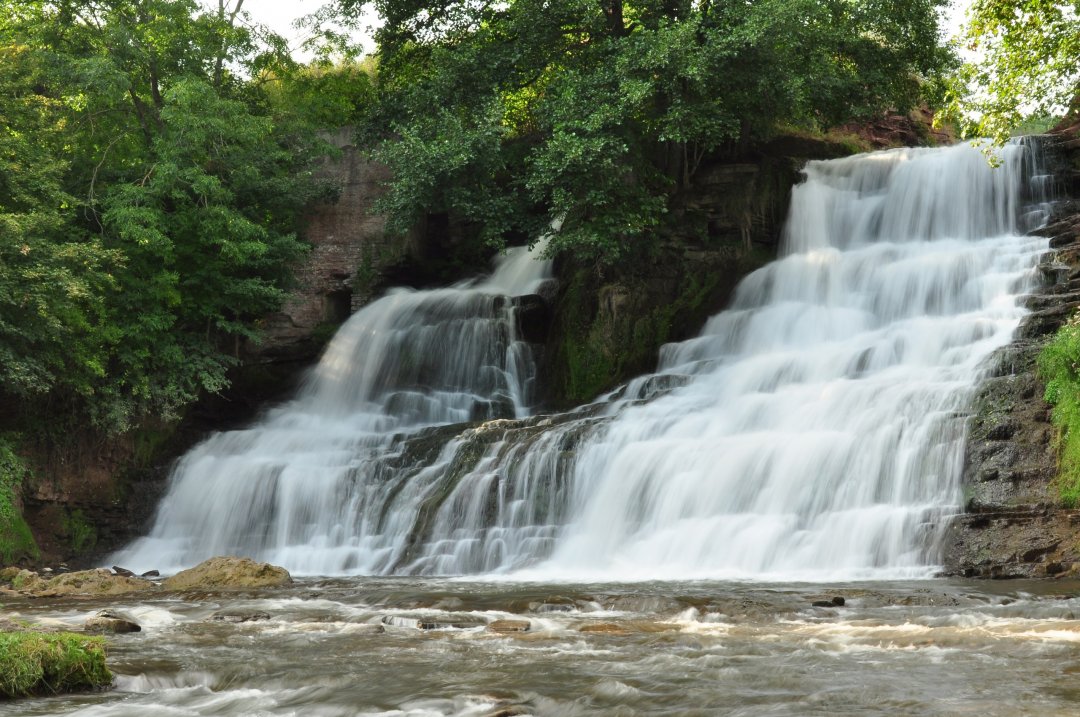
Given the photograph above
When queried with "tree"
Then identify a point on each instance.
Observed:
(52, 278)
(597, 111)
(150, 199)
(1027, 65)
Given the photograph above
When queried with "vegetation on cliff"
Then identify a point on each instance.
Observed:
(1059, 366)
(35, 663)
(515, 114)
(16, 541)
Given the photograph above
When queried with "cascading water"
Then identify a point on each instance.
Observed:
(300, 485)
(813, 430)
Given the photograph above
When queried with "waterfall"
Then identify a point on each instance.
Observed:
(812, 430)
(296, 486)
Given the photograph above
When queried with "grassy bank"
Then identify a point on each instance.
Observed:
(1059, 366)
(34, 663)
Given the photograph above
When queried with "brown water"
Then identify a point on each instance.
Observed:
(416, 647)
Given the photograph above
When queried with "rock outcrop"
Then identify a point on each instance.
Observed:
(221, 573)
(110, 622)
(1013, 525)
(228, 573)
(349, 249)
(93, 583)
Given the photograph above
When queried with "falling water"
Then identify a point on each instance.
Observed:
(815, 429)
(291, 486)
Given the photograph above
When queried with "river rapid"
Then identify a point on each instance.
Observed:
(397, 646)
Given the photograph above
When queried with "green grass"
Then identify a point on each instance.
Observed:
(1059, 366)
(34, 663)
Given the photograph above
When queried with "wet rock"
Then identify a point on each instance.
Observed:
(553, 604)
(431, 624)
(123, 571)
(1002, 431)
(604, 628)
(532, 316)
(835, 601)
(229, 572)
(509, 626)
(238, 616)
(150, 574)
(107, 621)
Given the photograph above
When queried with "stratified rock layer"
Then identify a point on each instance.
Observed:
(1013, 525)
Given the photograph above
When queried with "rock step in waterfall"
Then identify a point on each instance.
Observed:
(811, 431)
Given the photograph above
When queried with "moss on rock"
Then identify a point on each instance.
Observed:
(35, 663)
(99, 582)
(229, 572)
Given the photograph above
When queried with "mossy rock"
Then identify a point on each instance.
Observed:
(33, 663)
(89, 583)
(229, 572)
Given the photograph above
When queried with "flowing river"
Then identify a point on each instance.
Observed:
(420, 647)
(656, 552)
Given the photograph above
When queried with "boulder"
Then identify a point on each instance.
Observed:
(97, 582)
(509, 626)
(835, 601)
(238, 616)
(107, 621)
(229, 572)
(604, 628)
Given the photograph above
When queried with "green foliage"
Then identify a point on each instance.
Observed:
(1026, 65)
(82, 535)
(16, 540)
(1059, 367)
(33, 663)
(324, 94)
(150, 194)
(516, 114)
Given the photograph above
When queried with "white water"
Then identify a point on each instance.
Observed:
(817, 432)
(298, 487)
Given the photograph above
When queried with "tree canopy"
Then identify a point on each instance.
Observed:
(513, 114)
(1027, 64)
(150, 189)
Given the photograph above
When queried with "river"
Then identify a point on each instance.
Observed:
(397, 646)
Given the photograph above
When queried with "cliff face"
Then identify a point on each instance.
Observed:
(1013, 525)
(349, 250)
(610, 323)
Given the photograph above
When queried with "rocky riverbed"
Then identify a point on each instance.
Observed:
(413, 647)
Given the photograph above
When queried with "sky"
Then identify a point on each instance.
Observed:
(279, 15)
